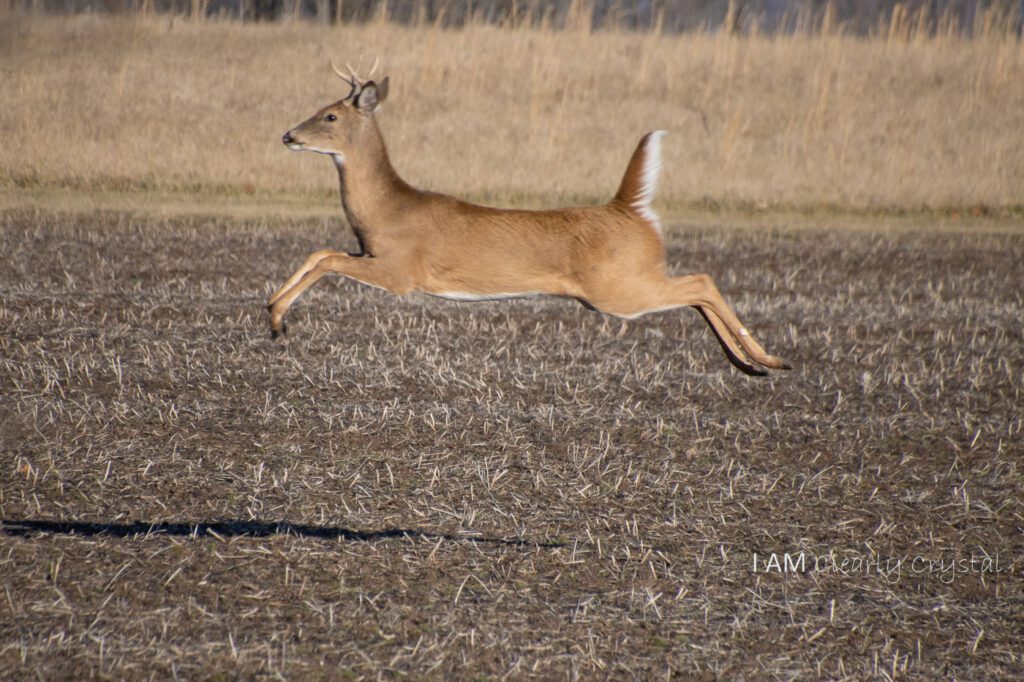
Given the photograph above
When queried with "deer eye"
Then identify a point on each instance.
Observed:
(332, 117)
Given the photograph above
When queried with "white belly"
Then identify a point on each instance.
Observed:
(464, 296)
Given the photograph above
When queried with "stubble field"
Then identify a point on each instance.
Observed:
(523, 489)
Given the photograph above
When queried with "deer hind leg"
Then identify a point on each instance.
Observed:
(362, 269)
(716, 306)
(700, 292)
(728, 343)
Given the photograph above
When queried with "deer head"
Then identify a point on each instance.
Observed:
(339, 128)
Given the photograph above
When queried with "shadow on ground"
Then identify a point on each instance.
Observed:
(256, 529)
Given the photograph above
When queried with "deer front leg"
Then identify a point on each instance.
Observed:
(366, 270)
(310, 263)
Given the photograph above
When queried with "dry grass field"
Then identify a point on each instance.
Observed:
(407, 487)
(518, 116)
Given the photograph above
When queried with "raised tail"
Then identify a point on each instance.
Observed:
(641, 179)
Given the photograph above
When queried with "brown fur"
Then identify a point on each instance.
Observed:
(608, 257)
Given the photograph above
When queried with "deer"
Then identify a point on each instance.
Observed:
(610, 258)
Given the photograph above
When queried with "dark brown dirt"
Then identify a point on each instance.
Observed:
(412, 486)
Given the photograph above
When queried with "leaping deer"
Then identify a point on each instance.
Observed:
(610, 258)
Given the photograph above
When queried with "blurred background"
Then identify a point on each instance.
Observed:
(848, 106)
(674, 16)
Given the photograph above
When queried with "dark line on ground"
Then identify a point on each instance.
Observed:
(256, 529)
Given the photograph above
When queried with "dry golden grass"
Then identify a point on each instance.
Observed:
(518, 116)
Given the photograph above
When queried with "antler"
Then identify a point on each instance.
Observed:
(350, 81)
(353, 78)
(353, 81)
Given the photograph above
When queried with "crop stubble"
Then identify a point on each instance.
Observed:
(417, 486)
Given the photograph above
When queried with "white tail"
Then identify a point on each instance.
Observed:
(640, 182)
(610, 258)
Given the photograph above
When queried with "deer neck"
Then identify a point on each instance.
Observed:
(369, 188)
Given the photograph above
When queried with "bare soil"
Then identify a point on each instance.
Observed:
(433, 489)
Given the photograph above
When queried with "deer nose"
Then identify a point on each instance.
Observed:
(288, 139)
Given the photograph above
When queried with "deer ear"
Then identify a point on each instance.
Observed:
(371, 95)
